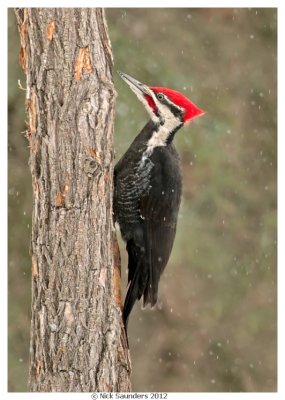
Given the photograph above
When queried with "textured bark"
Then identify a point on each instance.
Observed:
(77, 337)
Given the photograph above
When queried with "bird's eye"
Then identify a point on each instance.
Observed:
(160, 96)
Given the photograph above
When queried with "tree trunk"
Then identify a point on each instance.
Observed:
(77, 338)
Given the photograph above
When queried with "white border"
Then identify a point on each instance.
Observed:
(3, 195)
(4, 4)
(144, 4)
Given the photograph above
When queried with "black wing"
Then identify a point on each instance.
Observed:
(160, 210)
(150, 247)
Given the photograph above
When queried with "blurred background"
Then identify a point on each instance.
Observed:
(214, 328)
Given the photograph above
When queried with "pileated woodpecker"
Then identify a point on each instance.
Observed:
(147, 182)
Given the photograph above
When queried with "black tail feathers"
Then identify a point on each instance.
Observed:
(132, 295)
(143, 279)
(141, 284)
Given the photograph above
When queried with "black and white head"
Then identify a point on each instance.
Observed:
(165, 106)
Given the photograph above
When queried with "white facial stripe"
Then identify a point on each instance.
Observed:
(167, 122)
(164, 109)
(168, 101)
(170, 120)
(160, 137)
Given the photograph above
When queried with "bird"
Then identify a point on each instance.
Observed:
(147, 190)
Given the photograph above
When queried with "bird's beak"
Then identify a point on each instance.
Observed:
(137, 87)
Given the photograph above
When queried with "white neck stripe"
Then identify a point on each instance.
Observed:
(160, 137)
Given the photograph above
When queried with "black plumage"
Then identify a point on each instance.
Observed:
(147, 193)
(146, 203)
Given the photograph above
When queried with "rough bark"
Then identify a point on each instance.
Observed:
(77, 337)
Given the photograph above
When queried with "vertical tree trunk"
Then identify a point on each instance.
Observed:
(77, 337)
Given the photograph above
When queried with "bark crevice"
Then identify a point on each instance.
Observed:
(77, 337)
